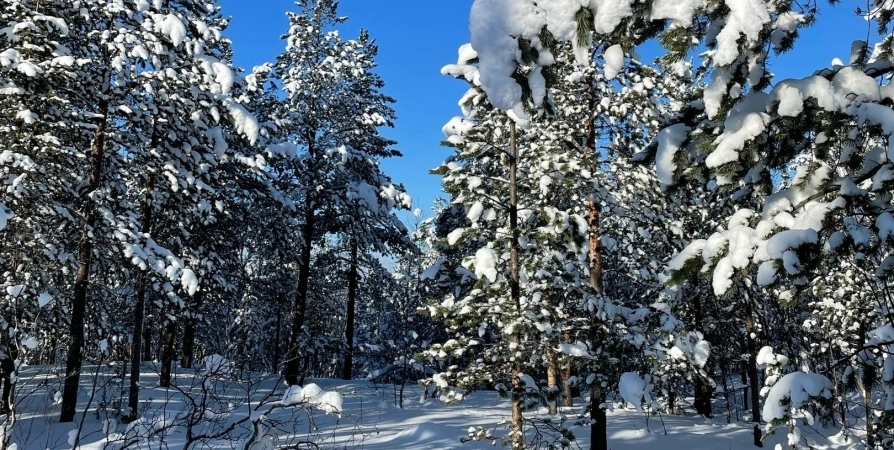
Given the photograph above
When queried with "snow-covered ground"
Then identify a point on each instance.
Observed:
(369, 418)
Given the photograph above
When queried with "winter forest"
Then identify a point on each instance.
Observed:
(644, 238)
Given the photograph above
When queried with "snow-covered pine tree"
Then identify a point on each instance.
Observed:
(327, 80)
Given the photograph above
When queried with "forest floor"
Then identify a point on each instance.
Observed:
(369, 418)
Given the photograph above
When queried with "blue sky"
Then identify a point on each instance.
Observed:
(417, 37)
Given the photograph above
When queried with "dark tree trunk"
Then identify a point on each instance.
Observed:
(167, 353)
(139, 309)
(74, 358)
(277, 337)
(752, 373)
(187, 351)
(352, 300)
(147, 333)
(599, 427)
(293, 359)
(704, 391)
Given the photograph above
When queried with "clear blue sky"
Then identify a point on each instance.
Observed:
(417, 37)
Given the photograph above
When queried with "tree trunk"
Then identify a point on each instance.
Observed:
(704, 392)
(752, 373)
(167, 353)
(187, 351)
(552, 382)
(293, 359)
(352, 300)
(277, 336)
(671, 400)
(74, 358)
(147, 333)
(568, 397)
(139, 310)
(599, 427)
(517, 436)
(187, 357)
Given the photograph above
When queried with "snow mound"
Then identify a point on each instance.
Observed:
(313, 394)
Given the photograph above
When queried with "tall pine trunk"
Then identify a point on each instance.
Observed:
(517, 425)
(139, 310)
(293, 360)
(167, 353)
(74, 359)
(598, 427)
(352, 300)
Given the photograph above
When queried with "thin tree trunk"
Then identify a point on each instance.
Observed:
(147, 333)
(599, 426)
(352, 300)
(552, 371)
(277, 337)
(299, 308)
(74, 358)
(752, 373)
(139, 310)
(866, 390)
(517, 425)
(167, 353)
(187, 357)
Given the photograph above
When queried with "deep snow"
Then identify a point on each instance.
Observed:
(370, 418)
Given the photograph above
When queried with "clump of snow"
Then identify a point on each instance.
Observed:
(796, 388)
(189, 281)
(456, 129)
(669, 141)
(486, 264)
(680, 12)
(614, 61)
(313, 394)
(635, 389)
(494, 25)
(746, 18)
(577, 349)
(30, 342)
(173, 28)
